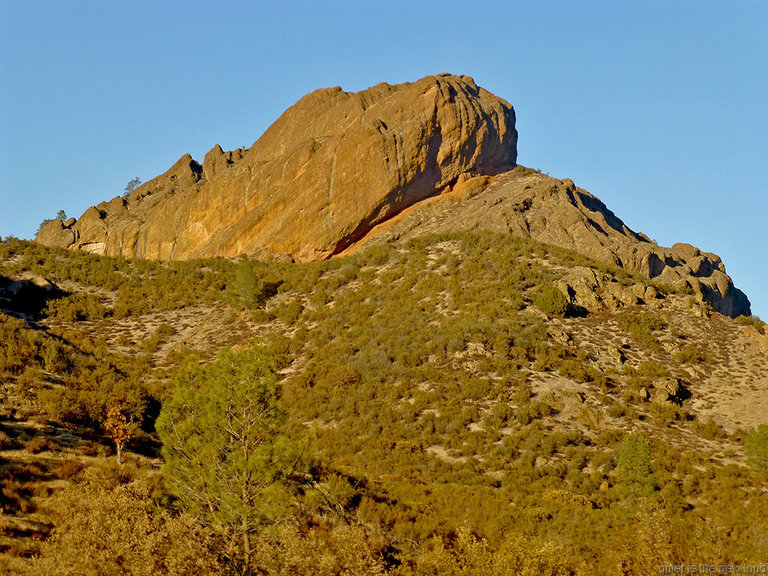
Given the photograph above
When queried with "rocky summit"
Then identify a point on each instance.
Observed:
(331, 167)
(341, 169)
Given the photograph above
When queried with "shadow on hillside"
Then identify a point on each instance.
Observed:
(28, 297)
(575, 311)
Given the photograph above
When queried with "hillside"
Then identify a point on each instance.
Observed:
(459, 399)
(340, 169)
(371, 343)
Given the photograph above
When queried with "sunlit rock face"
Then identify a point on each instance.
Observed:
(330, 168)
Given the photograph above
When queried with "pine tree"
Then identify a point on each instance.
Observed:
(634, 478)
(224, 454)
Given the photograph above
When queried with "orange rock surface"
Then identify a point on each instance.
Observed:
(330, 168)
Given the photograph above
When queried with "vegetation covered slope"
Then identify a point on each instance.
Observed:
(453, 409)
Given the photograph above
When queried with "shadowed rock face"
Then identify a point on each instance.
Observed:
(322, 175)
(340, 169)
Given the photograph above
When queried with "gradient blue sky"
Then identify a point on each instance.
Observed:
(658, 108)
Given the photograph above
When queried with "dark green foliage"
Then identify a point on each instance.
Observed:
(634, 478)
(249, 289)
(224, 455)
(418, 375)
(78, 306)
(89, 385)
(551, 300)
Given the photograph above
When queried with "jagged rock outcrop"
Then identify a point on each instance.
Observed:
(331, 167)
(527, 203)
(340, 169)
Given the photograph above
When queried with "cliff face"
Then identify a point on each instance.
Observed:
(341, 169)
(331, 167)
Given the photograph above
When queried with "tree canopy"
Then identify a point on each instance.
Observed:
(634, 477)
(131, 186)
(224, 454)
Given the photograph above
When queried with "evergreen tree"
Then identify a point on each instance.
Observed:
(249, 289)
(634, 477)
(131, 186)
(224, 455)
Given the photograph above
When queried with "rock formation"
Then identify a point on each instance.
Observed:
(332, 166)
(527, 203)
(340, 169)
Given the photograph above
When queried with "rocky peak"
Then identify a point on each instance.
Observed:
(524, 202)
(331, 167)
(339, 169)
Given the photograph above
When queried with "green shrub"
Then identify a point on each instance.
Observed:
(535, 410)
(691, 355)
(617, 409)
(249, 289)
(642, 327)
(289, 312)
(710, 429)
(120, 530)
(664, 413)
(756, 449)
(78, 306)
(634, 478)
(551, 300)
(753, 321)
(652, 369)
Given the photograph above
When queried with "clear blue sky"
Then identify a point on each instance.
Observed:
(658, 108)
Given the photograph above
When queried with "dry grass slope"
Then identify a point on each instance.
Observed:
(447, 420)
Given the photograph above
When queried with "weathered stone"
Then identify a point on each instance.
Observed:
(53, 233)
(560, 336)
(670, 390)
(330, 168)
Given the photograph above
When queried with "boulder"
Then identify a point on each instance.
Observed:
(670, 390)
(54, 233)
